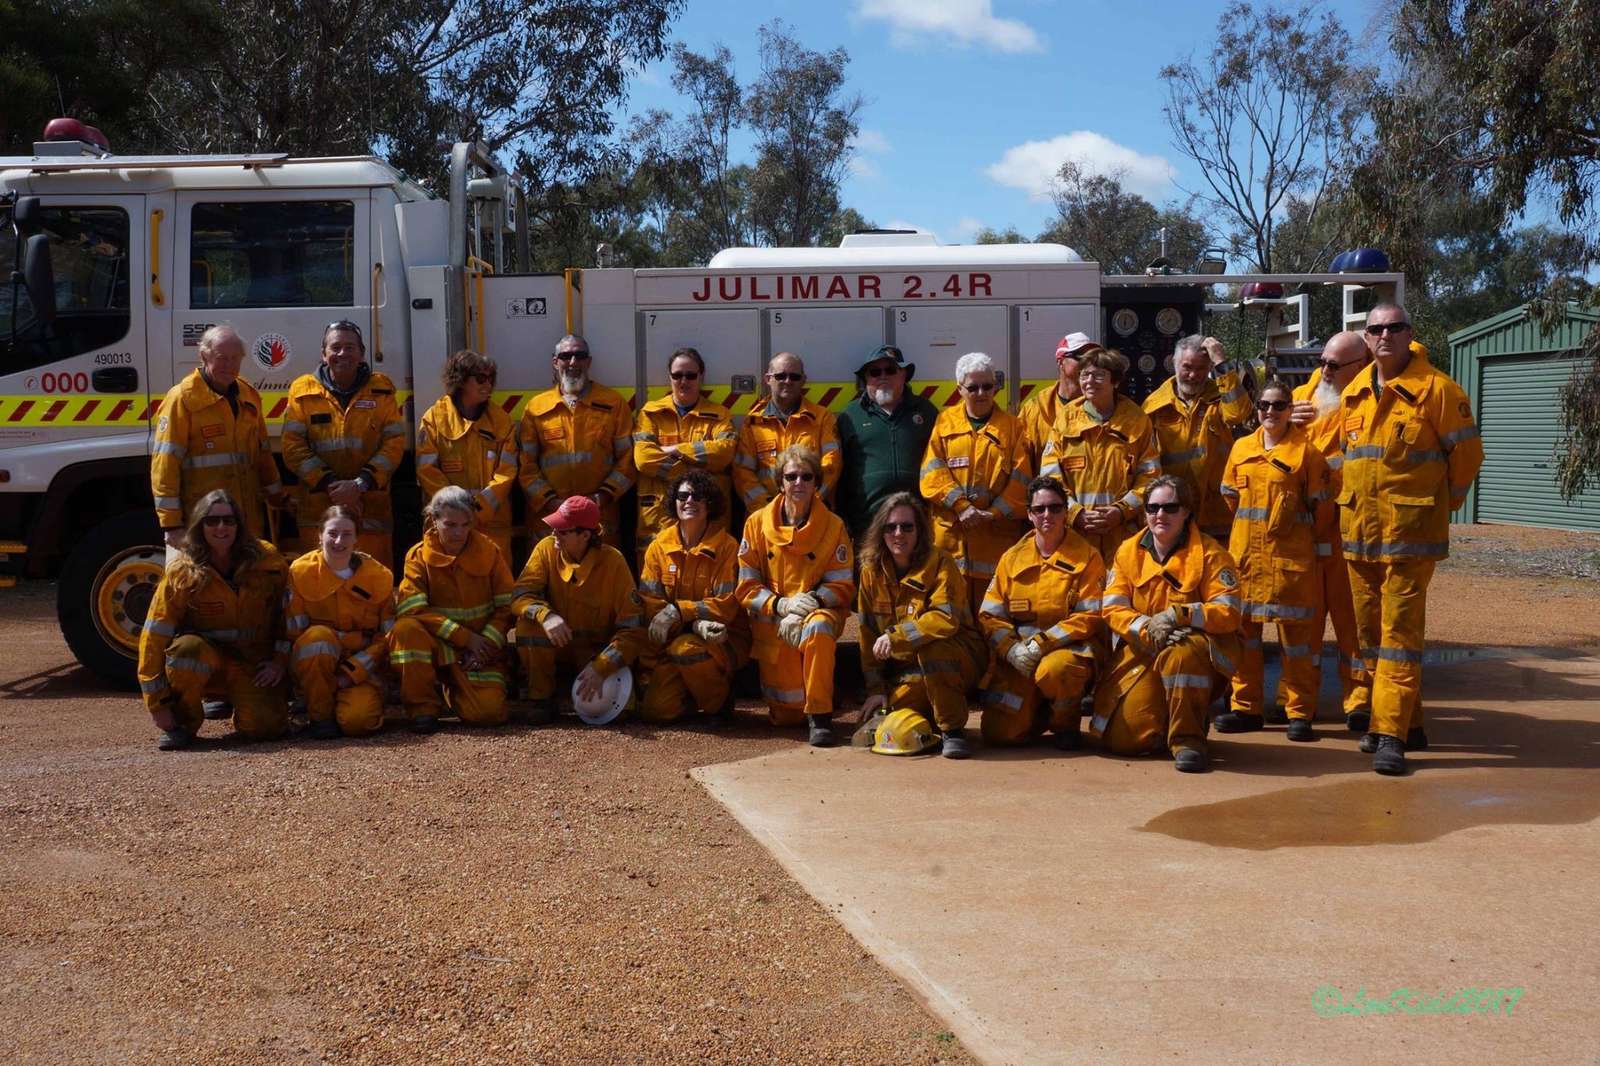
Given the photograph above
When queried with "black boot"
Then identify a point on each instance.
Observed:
(1358, 721)
(955, 745)
(1191, 761)
(216, 710)
(1301, 729)
(819, 731)
(1238, 722)
(425, 724)
(175, 739)
(1390, 758)
(324, 730)
(1416, 740)
(1369, 742)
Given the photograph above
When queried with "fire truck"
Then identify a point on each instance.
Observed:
(115, 266)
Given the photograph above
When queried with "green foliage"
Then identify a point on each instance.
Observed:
(1120, 230)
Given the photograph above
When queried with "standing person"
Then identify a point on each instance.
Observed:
(1103, 449)
(882, 434)
(785, 419)
(684, 430)
(466, 439)
(1038, 413)
(1042, 617)
(1195, 413)
(576, 439)
(920, 648)
(688, 585)
(1411, 451)
(211, 433)
(1172, 596)
(215, 628)
(1279, 486)
(576, 608)
(1317, 411)
(340, 614)
(453, 617)
(975, 476)
(344, 437)
(796, 580)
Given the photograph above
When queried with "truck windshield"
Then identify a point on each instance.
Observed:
(89, 259)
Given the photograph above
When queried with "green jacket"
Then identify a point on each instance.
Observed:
(882, 454)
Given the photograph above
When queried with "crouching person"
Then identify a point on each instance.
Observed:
(340, 614)
(1042, 617)
(576, 609)
(215, 628)
(1172, 598)
(449, 639)
(796, 581)
(920, 649)
(698, 632)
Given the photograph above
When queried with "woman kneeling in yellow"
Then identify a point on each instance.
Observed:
(920, 649)
(215, 628)
(448, 644)
(796, 581)
(341, 609)
(1173, 597)
(576, 608)
(688, 589)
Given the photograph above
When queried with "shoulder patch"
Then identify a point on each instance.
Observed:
(841, 553)
(1228, 578)
(1464, 407)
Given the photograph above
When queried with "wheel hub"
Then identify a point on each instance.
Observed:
(123, 590)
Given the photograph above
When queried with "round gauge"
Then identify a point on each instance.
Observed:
(1147, 363)
(1125, 321)
(1169, 320)
(1167, 362)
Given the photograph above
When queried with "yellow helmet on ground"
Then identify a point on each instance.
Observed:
(905, 732)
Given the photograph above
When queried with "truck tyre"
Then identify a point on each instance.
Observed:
(106, 585)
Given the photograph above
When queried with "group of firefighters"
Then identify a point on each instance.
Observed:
(1086, 558)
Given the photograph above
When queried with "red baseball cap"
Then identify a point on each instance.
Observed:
(1072, 344)
(575, 512)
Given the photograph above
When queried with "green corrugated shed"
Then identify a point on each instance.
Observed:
(1514, 372)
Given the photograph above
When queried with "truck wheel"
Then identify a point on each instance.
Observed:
(106, 586)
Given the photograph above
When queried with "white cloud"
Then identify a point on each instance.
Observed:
(966, 22)
(966, 229)
(1032, 166)
(900, 223)
(867, 142)
(861, 167)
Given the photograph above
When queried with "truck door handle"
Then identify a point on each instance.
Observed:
(115, 379)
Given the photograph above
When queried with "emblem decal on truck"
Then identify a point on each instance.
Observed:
(271, 350)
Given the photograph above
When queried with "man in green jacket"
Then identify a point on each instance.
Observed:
(883, 433)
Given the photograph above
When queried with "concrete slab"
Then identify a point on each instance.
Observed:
(1062, 908)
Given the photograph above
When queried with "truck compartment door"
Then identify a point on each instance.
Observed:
(935, 337)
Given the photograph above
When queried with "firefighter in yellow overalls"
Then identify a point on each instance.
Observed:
(1038, 412)
(344, 437)
(576, 607)
(1195, 416)
(340, 614)
(975, 476)
(682, 431)
(453, 619)
(796, 580)
(467, 439)
(1172, 597)
(920, 647)
(1279, 486)
(1042, 618)
(215, 628)
(699, 635)
(782, 420)
(575, 439)
(1103, 450)
(1411, 452)
(211, 433)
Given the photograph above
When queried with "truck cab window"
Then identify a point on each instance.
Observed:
(295, 253)
(89, 259)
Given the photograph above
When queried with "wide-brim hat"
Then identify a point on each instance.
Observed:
(887, 351)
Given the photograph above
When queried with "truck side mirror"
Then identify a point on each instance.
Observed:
(25, 215)
(39, 277)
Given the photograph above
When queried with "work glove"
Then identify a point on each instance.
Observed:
(662, 625)
(800, 605)
(1160, 627)
(1179, 635)
(790, 629)
(1024, 657)
(711, 632)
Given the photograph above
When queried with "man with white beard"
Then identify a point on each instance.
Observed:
(1317, 410)
(883, 434)
(575, 439)
(1195, 413)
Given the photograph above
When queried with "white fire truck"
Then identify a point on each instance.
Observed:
(115, 265)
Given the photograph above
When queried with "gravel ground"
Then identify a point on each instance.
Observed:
(1524, 551)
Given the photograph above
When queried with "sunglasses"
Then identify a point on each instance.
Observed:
(980, 388)
(882, 371)
(799, 475)
(787, 375)
(685, 375)
(214, 520)
(1378, 329)
(1163, 508)
(1272, 405)
(481, 379)
(570, 357)
(685, 495)
(344, 325)
(1047, 508)
(899, 527)
(1330, 366)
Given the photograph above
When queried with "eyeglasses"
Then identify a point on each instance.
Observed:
(1094, 375)
(980, 387)
(685, 375)
(899, 527)
(1163, 508)
(570, 357)
(1272, 405)
(1378, 329)
(787, 375)
(215, 520)
(481, 379)
(1330, 366)
(1047, 508)
(882, 371)
(685, 495)
(799, 475)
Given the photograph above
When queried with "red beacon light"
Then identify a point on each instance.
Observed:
(1263, 291)
(70, 129)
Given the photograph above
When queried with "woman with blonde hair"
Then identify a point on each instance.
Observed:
(466, 439)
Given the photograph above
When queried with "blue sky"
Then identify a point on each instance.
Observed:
(972, 104)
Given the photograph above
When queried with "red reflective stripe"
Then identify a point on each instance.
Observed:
(53, 410)
(21, 411)
(1026, 390)
(116, 412)
(87, 410)
(277, 408)
(149, 410)
(511, 402)
(828, 398)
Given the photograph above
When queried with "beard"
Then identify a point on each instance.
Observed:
(1326, 396)
(881, 397)
(572, 383)
(1188, 392)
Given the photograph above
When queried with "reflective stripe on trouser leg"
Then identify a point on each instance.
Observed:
(540, 660)
(1167, 705)
(1017, 710)
(800, 681)
(197, 669)
(1390, 599)
(477, 696)
(1354, 681)
(945, 671)
(193, 671)
(688, 675)
(313, 662)
(1248, 695)
(1063, 677)
(1300, 656)
(412, 651)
